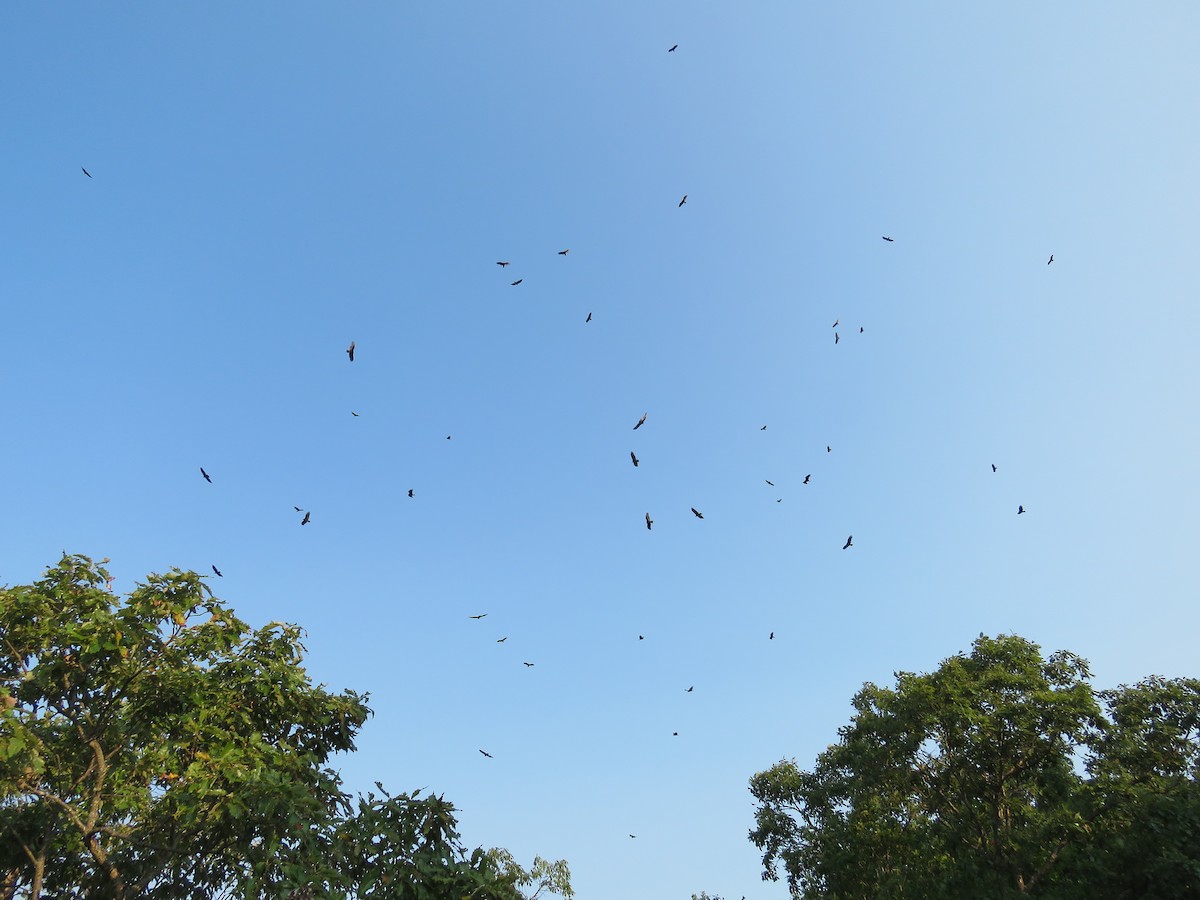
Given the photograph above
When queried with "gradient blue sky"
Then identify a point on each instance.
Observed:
(273, 180)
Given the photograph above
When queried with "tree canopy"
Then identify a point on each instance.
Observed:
(1001, 774)
(156, 745)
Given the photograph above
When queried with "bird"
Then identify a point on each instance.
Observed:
(527, 665)
(410, 492)
(1050, 260)
(297, 509)
(780, 500)
(502, 264)
(641, 421)
(205, 474)
(86, 172)
(689, 690)
(772, 637)
(888, 239)
(307, 518)
(771, 483)
(488, 755)
(633, 835)
(350, 351)
(564, 252)
(674, 734)
(518, 281)
(502, 640)
(1020, 509)
(673, 49)
(480, 616)
(683, 201)
(641, 637)
(764, 428)
(353, 413)
(697, 513)
(835, 324)
(634, 458)
(993, 467)
(849, 542)
(649, 522)
(218, 571)
(861, 329)
(588, 319)
(828, 449)
(806, 477)
(836, 337)
(448, 437)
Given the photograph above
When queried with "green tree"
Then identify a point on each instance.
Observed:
(998, 775)
(161, 747)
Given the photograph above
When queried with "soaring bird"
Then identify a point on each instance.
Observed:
(480, 616)
(634, 458)
(835, 324)
(350, 351)
(771, 483)
(888, 239)
(764, 428)
(307, 518)
(410, 492)
(86, 172)
(448, 437)
(218, 571)
(633, 835)
(993, 467)
(828, 449)
(772, 637)
(502, 640)
(1020, 509)
(689, 690)
(564, 252)
(205, 474)
(518, 281)
(641, 637)
(697, 513)
(806, 477)
(674, 734)
(836, 337)
(849, 542)
(297, 509)
(673, 49)
(353, 413)
(502, 264)
(588, 319)
(528, 665)
(683, 201)
(641, 421)
(1050, 260)
(488, 755)
(649, 522)
(860, 329)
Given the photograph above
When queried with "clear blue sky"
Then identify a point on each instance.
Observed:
(273, 180)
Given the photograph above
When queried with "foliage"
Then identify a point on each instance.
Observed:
(998, 775)
(160, 747)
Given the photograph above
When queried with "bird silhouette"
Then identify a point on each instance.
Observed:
(634, 458)
(649, 522)
(350, 351)
(806, 477)
(689, 690)
(771, 483)
(828, 449)
(697, 513)
(480, 616)
(633, 835)
(764, 428)
(528, 665)
(86, 172)
(849, 542)
(353, 413)
(835, 324)
(297, 509)
(1050, 260)
(1020, 509)
(836, 337)
(502, 264)
(502, 640)
(993, 467)
(641, 421)
(307, 518)
(448, 437)
(888, 239)
(588, 319)
(683, 201)
(641, 637)
(674, 734)
(673, 49)
(861, 329)
(518, 281)
(205, 474)
(218, 571)
(488, 755)
(772, 637)
(564, 252)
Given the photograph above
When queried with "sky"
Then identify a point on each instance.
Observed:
(271, 181)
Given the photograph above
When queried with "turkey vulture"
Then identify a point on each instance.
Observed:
(353, 413)
(649, 522)
(689, 690)
(806, 477)
(835, 324)
(86, 172)
(528, 665)
(1020, 509)
(588, 319)
(480, 616)
(860, 329)
(771, 483)
(502, 264)
(641, 421)
(502, 640)
(350, 351)
(673, 49)
(697, 513)
(836, 337)
(307, 518)
(297, 509)
(1050, 260)
(205, 474)
(410, 492)
(888, 239)
(564, 252)
(518, 281)
(218, 571)
(683, 201)
(634, 458)
(828, 449)
(772, 637)
(849, 542)
(488, 755)
(993, 467)
(764, 428)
